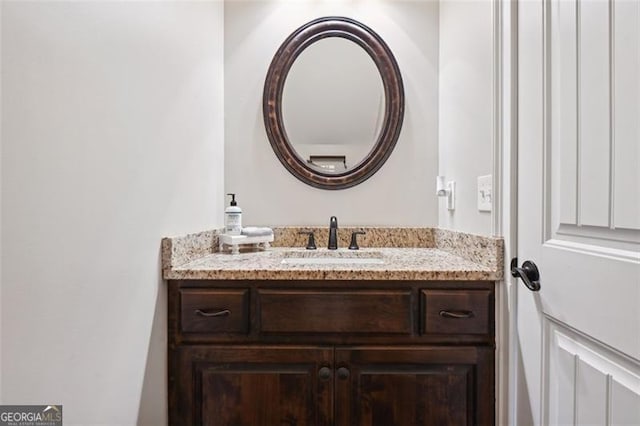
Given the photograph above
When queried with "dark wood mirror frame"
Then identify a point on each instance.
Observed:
(299, 40)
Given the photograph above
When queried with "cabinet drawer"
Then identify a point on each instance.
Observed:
(214, 311)
(318, 311)
(456, 311)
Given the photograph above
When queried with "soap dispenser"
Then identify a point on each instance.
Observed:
(233, 218)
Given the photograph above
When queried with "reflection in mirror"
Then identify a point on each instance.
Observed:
(341, 126)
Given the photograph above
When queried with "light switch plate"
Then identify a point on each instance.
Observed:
(485, 193)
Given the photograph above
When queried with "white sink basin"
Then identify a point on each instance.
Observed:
(331, 261)
(332, 258)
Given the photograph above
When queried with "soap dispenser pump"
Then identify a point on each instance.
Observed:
(233, 218)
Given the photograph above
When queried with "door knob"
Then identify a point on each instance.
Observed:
(324, 373)
(343, 373)
(528, 273)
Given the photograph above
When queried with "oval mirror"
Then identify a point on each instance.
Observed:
(333, 103)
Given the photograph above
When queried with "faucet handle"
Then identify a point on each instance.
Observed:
(311, 243)
(354, 240)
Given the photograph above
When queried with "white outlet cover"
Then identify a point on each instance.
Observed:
(485, 193)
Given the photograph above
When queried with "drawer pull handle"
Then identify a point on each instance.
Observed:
(222, 313)
(456, 314)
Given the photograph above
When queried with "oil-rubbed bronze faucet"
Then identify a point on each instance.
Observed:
(333, 233)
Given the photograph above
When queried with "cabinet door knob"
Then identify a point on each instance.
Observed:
(324, 373)
(343, 373)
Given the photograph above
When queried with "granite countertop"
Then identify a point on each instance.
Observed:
(399, 264)
(418, 254)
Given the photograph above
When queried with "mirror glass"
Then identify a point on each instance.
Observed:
(337, 129)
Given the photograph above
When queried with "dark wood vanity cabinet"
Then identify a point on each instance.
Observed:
(414, 386)
(250, 385)
(331, 353)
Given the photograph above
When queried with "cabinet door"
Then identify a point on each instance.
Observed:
(250, 386)
(414, 386)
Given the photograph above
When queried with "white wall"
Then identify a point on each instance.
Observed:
(111, 138)
(401, 192)
(466, 109)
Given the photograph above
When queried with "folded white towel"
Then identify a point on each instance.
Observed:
(254, 231)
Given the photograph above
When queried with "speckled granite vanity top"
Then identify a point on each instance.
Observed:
(386, 254)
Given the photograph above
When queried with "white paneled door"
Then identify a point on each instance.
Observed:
(579, 212)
